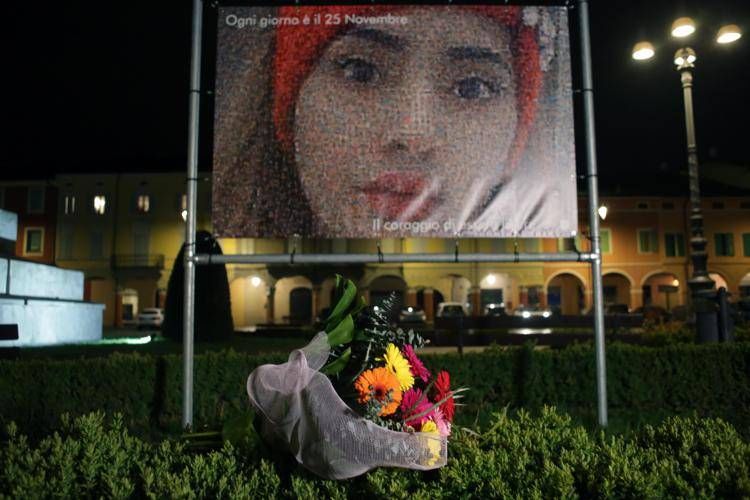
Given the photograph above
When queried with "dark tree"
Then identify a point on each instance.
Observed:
(213, 312)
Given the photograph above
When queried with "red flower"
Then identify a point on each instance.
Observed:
(442, 389)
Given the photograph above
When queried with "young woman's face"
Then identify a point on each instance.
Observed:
(406, 122)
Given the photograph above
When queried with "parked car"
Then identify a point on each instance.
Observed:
(452, 310)
(494, 309)
(527, 312)
(150, 318)
(412, 315)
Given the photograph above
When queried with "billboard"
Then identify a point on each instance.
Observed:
(380, 121)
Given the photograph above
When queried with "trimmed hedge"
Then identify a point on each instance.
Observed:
(713, 380)
(544, 457)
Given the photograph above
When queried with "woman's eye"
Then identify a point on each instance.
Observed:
(474, 87)
(359, 70)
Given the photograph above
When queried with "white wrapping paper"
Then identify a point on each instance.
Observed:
(302, 413)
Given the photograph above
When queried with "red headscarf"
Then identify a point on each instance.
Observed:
(299, 47)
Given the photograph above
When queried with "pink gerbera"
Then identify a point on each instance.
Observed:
(412, 406)
(443, 426)
(417, 367)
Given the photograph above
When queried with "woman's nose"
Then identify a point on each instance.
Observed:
(413, 126)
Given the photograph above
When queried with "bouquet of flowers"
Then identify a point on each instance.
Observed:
(356, 397)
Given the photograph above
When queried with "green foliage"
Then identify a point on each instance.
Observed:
(712, 380)
(213, 311)
(742, 332)
(542, 456)
(357, 335)
(659, 334)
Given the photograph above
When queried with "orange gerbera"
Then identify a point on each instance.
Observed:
(381, 385)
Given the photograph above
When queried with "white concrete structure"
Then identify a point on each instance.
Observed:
(44, 302)
(8, 225)
(49, 322)
(40, 280)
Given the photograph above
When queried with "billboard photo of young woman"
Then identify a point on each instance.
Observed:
(394, 121)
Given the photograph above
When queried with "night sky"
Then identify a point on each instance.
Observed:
(94, 87)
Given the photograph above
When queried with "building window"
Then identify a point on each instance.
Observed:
(498, 245)
(530, 245)
(605, 240)
(746, 244)
(33, 243)
(143, 203)
(642, 205)
(100, 204)
(66, 241)
(96, 248)
(566, 244)
(717, 205)
(183, 207)
(35, 200)
(745, 205)
(647, 241)
(576, 244)
(69, 204)
(667, 205)
(674, 244)
(724, 244)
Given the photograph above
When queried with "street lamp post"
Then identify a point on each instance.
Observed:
(701, 285)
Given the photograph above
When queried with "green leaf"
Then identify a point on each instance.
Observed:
(343, 333)
(334, 367)
(345, 300)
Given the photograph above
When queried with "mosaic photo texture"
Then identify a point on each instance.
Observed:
(393, 121)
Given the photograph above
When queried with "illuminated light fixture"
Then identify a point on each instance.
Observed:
(491, 279)
(676, 283)
(546, 314)
(255, 281)
(684, 58)
(184, 215)
(643, 51)
(683, 27)
(376, 308)
(526, 314)
(410, 309)
(100, 204)
(602, 211)
(728, 34)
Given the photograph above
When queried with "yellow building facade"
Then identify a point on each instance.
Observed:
(124, 231)
(127, 249)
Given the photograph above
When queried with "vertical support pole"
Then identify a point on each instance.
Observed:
(700, 283)
(192, 193)
(593, 196)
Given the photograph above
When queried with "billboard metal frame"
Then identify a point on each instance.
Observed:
(192, 259)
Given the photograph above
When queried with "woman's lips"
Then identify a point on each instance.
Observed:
(400, 195)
